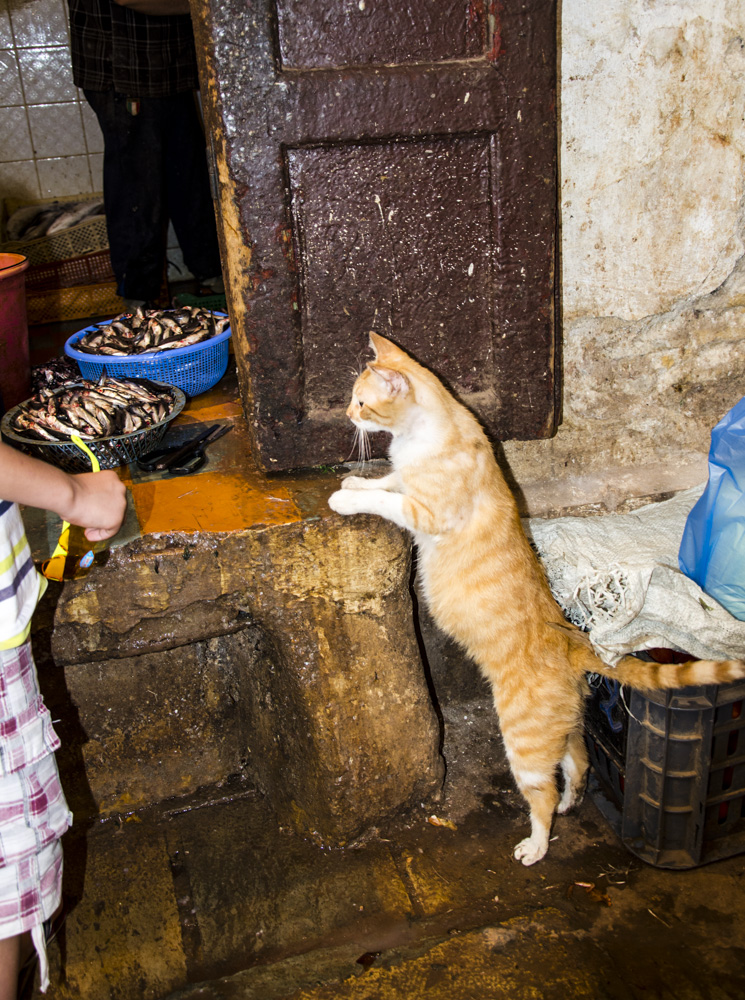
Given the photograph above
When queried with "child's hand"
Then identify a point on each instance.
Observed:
(96, 501)
(99, 502)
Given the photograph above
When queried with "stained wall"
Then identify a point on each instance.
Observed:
(652, 145)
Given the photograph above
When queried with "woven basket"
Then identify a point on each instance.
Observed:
(79, 302)
(87, 237)
(111, 452)
(92, 268)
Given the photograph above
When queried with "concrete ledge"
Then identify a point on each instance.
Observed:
(287, 654)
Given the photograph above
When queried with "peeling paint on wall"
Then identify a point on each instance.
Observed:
(653, 287)
(652, 98)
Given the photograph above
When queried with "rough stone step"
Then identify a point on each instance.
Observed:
(287, 654)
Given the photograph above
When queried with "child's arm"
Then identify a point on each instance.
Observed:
(97, 501)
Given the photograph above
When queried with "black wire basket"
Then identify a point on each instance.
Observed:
(111, 452)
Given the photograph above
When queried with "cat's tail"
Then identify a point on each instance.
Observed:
(650, 676)
(647, 676)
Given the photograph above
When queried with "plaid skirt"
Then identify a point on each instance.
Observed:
(33, 810)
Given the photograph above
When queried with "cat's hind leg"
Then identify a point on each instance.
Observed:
(542, 796)
(574, 765)
(534, 744)
(538, 786)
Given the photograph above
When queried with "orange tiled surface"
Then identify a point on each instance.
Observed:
(227, 494)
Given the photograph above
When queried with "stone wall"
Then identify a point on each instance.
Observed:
(286, 655)
(651, 161)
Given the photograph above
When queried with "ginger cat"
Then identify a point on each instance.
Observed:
(483, 583)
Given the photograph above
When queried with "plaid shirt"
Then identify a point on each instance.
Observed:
(33, 811)
(139, 55)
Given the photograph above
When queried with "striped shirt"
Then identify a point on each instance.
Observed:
(21, 585)
(139, 55)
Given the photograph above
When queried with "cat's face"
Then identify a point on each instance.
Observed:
(378, 398)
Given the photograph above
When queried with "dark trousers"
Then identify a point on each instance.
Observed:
(155, 169)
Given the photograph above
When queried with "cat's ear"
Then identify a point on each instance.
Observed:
(377, 343)
(395, 382)
(385, 350)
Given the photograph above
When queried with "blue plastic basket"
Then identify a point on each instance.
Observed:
(192, 369)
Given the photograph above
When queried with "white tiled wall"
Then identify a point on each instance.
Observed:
(50, 142)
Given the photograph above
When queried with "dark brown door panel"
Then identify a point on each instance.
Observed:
(399, 178)
(315, 34)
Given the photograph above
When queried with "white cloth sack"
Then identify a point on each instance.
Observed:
(617, 576)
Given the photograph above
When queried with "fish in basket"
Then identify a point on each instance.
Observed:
(119, 420)
(150, 331)
(186, 347)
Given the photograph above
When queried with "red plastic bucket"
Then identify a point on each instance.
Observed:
(15, 369)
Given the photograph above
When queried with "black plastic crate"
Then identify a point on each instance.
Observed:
(669, 769)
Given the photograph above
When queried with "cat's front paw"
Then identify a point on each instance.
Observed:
(344, 502)
(354, 483)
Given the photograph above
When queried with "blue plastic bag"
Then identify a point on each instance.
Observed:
(712, 551)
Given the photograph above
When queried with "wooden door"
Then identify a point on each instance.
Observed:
(385, 165)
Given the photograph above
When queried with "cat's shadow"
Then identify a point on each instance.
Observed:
(504, 468)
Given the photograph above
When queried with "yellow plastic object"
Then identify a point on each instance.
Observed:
(73, 555)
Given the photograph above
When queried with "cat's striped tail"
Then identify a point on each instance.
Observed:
(645, 675)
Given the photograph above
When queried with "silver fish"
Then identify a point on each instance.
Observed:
(93, 410)
(146, 331)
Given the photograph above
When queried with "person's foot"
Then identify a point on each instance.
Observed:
(132, 305)
(212, 286)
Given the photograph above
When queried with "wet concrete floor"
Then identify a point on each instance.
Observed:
(210, 900)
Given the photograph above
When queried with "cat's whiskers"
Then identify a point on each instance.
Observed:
(363, 445)
(360, 446)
